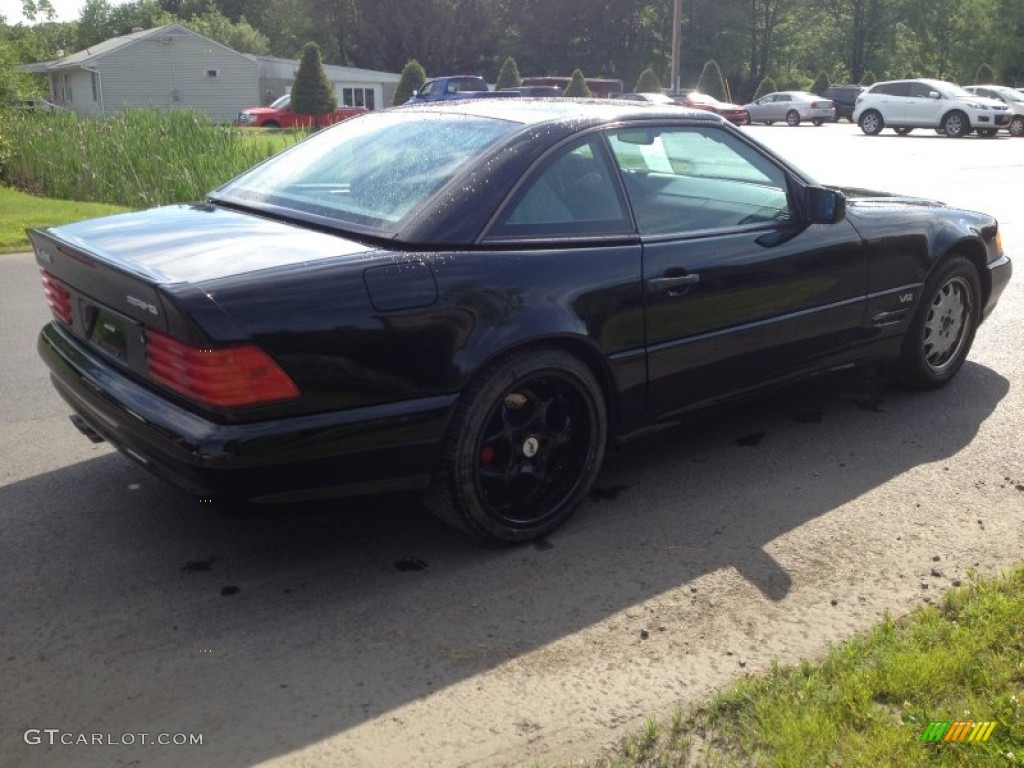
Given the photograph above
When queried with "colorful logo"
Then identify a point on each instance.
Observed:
(959, 730)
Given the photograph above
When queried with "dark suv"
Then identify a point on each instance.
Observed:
(844, 97)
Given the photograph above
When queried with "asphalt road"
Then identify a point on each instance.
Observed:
(374, 636)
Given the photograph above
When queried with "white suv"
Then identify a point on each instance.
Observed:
(904, 105)
(1011, 97)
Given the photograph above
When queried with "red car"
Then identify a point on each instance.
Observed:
(280, 115)
(734, 113)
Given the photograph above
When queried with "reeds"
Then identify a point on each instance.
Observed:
(138, 158)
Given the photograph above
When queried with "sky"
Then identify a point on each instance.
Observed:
(67, 10)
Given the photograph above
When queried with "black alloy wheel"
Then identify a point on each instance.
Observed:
(523, 449)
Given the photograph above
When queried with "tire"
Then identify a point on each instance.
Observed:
(792, 118)
(523, 448)
(903, 131)
(271, 124)
(871, 122)
(818, 121)
(1017, 125)
(942, 330)
(956, 125)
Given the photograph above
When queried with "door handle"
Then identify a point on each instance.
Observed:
(675, 282)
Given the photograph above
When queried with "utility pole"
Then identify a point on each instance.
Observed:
(677, 17)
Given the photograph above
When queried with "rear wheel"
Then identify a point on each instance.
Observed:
(956, 125)
(793, 118)
(1017, 125)
(523, 448)
(871, 123)
(942, 331)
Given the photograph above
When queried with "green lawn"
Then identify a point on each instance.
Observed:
(882, 698)
(19, 211)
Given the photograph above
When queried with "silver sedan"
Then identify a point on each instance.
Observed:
(791, 106)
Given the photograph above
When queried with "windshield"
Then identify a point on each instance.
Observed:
(370, 171)
(1011, 95)
(282, 102)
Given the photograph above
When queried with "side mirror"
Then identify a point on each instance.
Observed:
(934, 95)
(824, 205)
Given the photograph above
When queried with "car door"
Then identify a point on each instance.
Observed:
(739, 290)
(921, 107)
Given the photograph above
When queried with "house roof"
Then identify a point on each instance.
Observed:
(94, 52)
(332, 69)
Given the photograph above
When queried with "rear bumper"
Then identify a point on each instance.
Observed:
(361, 451)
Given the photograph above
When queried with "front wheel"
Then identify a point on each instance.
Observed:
(871, 123)
(956, 125)
(523, 449)
(793, 118)
(1017, 125)
(942, 330)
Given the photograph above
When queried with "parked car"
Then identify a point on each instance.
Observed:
(904, 105)
(843, 98)
(734, 113)
(1011, 97)
(650, 98)
(791, 106)
(457, 87)
(279, 115)
(475, 300)
(539, 91)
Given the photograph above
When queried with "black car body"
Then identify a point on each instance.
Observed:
(475, 314)
(844, 97)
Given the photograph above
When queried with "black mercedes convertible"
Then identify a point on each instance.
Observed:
(476, 300)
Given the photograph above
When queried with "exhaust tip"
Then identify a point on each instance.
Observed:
(86, 429)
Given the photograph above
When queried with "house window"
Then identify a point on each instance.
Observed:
(95, 86)
(65, 92)
(213, 73)
(357, 97)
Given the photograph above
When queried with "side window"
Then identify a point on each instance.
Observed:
(919, 90)
(690, 179)
(573, 194)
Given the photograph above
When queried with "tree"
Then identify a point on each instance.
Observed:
(577, 85)
(985, 74)
(820, 84)
(312, 93)
(508, 77)
(766, 86)
(412, 79)
(711, 81)
(648, 82)
(869, 79)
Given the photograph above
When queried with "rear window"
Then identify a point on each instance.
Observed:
(370, 171)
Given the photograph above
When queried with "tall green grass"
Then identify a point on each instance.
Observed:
(138, 158)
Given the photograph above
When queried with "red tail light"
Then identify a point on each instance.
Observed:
(58, 296)
(226, 377)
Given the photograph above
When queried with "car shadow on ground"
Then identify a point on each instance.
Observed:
(130, 608)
